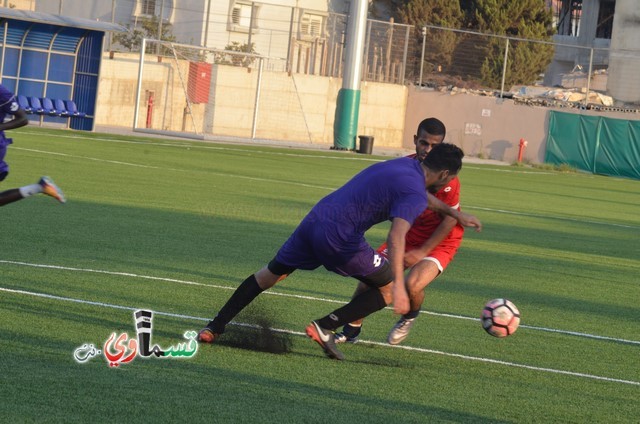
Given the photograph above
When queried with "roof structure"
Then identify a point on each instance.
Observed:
(67, 21)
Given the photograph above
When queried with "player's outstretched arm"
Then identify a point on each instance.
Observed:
(465, 219)
(20, 119)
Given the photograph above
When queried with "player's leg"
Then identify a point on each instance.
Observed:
(377, 274)
(248, 290)
(351, 331)
(10, 196)
(421, 274)
(295, 253)
(45, 186)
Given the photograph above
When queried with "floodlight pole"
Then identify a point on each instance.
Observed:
(345, 125)
(136, 111)
(504, 67)
(424, 41)
(206, 24)
(160, 27)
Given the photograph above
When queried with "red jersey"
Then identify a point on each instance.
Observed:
(424, 226)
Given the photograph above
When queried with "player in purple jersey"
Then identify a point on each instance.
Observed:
(332, 235)
(9, 106)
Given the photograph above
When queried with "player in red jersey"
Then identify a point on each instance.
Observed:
(431, 243)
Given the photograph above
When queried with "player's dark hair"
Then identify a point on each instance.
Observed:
(432, 126)
(444, 156)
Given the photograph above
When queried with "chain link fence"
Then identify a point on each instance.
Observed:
(302, 40)
(312, 42)
(531, 71)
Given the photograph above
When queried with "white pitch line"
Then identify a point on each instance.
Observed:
(205, 146)
(297, 333)
(580, 220)
(273, 292)
(272, 150)
(295, 183)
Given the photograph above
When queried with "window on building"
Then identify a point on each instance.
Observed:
(605, 19)
(566, 15)
(148, 7)
(311, 26)
(240, 16)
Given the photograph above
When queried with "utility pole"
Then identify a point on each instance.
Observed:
(424, 40)
(113, 21)
(160, 25)
(206, 24)
(60, 8)
(345, 125)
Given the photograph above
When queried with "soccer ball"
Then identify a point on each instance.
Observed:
(500, 317)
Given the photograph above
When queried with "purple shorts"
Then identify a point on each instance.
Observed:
(311, 246)
(4, 166)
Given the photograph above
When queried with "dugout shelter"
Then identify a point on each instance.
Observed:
(53, 57)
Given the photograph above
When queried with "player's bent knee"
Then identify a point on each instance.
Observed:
(421, 276)
(272, 273)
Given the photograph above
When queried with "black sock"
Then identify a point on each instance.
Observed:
(359, 307)
(411, 314)
(244, 294)
(351, 331)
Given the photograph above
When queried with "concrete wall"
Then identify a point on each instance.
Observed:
(487, 127)
(482, 126)
(297, 108)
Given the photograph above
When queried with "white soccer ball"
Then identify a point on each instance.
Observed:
(500, 317)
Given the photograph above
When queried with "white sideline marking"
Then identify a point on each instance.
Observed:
(206, 146)
(295, 183)
(297, 296)
(298, 333)
(552, 217)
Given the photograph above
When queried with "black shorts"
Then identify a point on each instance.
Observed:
(379, 278)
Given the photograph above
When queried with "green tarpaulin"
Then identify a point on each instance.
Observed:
(600, 145)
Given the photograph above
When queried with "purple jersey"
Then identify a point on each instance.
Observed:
(387, 190)
(332, 234)
(8, 106)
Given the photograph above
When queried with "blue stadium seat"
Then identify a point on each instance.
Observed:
(47, 106)
(61, 108)
(23, 102)
(73, 109)
(36, 106)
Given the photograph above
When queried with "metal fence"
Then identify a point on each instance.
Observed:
(538, 72)
(306, 41)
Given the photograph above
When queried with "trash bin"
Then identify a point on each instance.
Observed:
(366, 144)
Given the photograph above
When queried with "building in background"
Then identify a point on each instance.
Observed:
(268, 25)
(603, 35)
(581, 26)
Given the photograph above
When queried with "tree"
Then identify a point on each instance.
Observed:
(235, 59)
(527, 19)
(132, 40)
(439, 43)
(474, 57)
